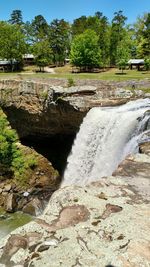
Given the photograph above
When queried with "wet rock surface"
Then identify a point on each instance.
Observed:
(105, 223)
(145, 148)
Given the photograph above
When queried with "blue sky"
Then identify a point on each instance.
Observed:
(72, 9)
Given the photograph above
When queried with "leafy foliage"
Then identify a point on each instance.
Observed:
(71, 82)
(79, 25)
(11, 157)
(43, 53)
(122, 63)
(85, 51)
(147, 64)
(8, 138)
(117, 35)
(59, 38)
(12, 42)
(123, 52)
(100, 25)
(39, 28)
(16, 17)
(146, 35)
(142, 35)
(114, 38)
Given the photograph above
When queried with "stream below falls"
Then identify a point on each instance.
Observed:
(11, 221)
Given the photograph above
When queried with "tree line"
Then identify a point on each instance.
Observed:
(89, 41)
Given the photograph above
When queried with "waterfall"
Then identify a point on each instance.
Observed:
(105, 137)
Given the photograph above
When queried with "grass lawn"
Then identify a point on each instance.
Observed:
(66, 72)
(111, 74)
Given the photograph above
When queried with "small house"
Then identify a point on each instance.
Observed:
(7, 65)
(67, 60)
(28, 59)
(136, 63)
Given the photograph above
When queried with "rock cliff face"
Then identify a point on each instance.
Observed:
(38, 109)
(105, 223)
(43, 109)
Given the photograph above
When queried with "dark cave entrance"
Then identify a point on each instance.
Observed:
(55, 148)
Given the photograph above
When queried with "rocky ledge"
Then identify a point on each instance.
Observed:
(44, 109)
(105, 223)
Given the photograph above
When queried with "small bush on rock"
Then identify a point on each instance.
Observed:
(71, 82)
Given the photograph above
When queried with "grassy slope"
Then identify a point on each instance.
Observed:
(65, 72)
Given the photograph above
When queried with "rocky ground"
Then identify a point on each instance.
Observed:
(105, 223)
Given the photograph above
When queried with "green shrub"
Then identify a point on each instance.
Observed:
(122, 63)
(71, 82)
(11, 156)
(44, 94)
(22, 167)
(8, 137)
(147, 64)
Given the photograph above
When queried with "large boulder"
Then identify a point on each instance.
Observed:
(10, 204)
(34, 207)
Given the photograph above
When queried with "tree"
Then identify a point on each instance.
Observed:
(13, 162)
(85, 51)
(122, 63)
(116, 35)
(142, 35)
(138, 27)
(59, 38)
(99, 14)
(12, 43)
(123, 51)
(8, 137)
(39, 28)
(146, 35)
(93, 23)
(79, 25)
(16, 17)
(104, 39)
(130, 40)
(43, 54)
(147, 64)
(28, 32)
(124, 47)
(100, 25)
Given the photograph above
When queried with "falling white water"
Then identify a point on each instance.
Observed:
(105, 137)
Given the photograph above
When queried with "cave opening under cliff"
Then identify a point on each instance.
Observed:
(55, 148)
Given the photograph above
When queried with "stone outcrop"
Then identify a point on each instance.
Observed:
(43, 109)
(105, 223)
(38, 109)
